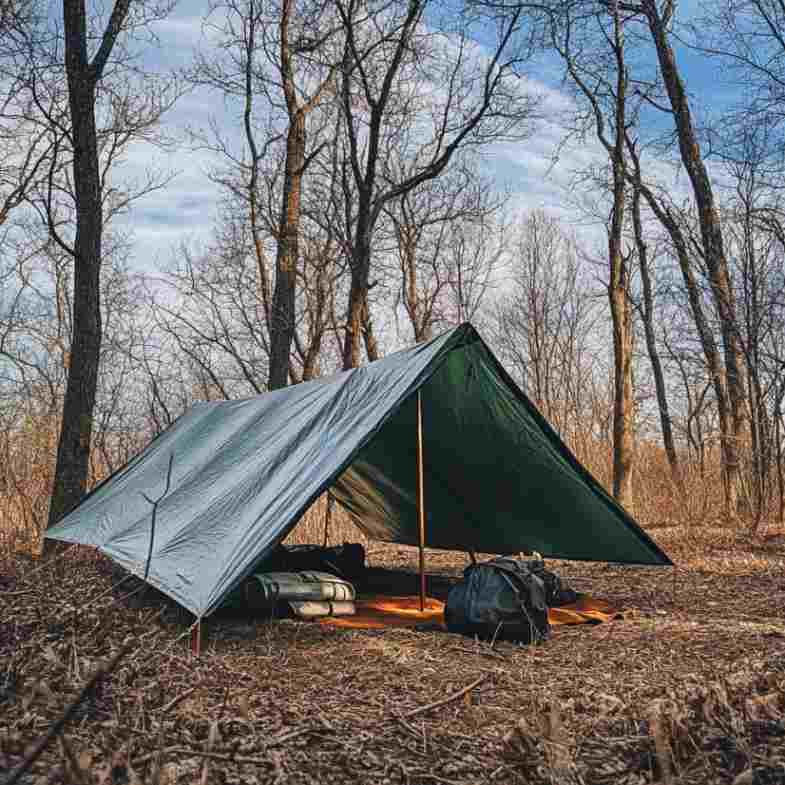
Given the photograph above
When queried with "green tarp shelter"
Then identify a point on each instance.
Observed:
(497, 478)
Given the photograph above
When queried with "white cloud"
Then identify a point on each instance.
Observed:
(540, 171)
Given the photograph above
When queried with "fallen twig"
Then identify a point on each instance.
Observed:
(449, 698)
(59, 724)
(222, 756)
(485, 651)
(288, 736)
(211, 755)
(172, 703)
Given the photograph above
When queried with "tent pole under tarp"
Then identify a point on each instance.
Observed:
(328, 515)
(420, 500)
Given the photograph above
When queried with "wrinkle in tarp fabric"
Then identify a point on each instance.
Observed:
(497, 478)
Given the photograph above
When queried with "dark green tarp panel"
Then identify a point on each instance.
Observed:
(497, 477)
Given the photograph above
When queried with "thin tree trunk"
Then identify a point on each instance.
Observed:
(651, 341)
(621, 310)
(282, 323)
(253, 182)
(621, 313)
(708, 344)
(713, 246)
(780, 479)
(352, 345)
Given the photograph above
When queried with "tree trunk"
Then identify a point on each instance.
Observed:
(780, 479)
(357, 306)
(618, 294)
(621, 313)
(73, 449)
(253, 180)
(412, 296)
(369, 337)
(355, 316)
(709, 346)
(651, 341)
(713, 246)
(282, 323)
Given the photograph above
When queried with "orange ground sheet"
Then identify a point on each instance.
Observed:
(377, 612)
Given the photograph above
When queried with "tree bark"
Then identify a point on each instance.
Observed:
(618, 295)
(651, 340)
(253, 180)
(378, 80)
(623, 429)
(369, 336)
(356, 308)
(282, 316)
(282, 324)
(709, 346)
(73, 450)
(713, 246)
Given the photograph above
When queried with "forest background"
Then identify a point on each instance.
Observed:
(200, 202)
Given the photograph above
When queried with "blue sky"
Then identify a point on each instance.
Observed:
(185, 209)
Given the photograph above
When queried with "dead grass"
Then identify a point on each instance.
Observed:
(687, 690)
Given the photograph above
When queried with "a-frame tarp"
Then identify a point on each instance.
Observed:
(497, 477)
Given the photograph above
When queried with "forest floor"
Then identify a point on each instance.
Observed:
(688, 688)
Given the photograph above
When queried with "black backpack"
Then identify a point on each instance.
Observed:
(557, 592)
(501, 599)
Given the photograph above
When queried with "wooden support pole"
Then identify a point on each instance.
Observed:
(196, 638)
(328, 516)
(420, 500)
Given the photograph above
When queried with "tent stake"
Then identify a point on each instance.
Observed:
(420, 501)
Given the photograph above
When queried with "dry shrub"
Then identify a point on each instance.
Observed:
(314, 526)
(28, 447)
(27, 453)
(728, 728)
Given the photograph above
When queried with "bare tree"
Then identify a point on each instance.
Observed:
(284, 54)
(309, 37)
(29, 143)
(210, 310)
(385, 86)
(600, 75)
(545, 326)
(659, 17)
(92, 150)
(755, 251)
(672, 219)
(746, 40)
(35, 327)
(437, 282)
(647, 312)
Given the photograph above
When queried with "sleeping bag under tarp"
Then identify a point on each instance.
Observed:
(264, 590)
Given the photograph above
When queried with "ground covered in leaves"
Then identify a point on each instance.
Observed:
(689, 688)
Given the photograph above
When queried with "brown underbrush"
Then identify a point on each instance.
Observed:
(688, 688)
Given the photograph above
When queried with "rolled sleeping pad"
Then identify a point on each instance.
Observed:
(315, 586)
(311, 609)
